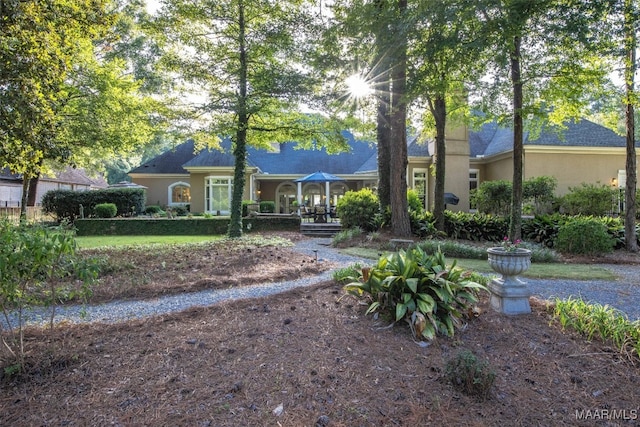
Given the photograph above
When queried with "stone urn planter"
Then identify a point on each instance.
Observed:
(509, 294)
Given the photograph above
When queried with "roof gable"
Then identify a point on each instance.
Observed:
(491, 139)
(170, 161)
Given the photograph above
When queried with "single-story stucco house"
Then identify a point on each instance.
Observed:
(583, 153)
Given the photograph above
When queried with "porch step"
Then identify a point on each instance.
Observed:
(314, 229)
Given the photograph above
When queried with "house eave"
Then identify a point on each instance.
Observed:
(557, 149)
(159, 175)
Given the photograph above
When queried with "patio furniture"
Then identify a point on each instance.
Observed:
(333, 213)
(320, 214)
(305, 213)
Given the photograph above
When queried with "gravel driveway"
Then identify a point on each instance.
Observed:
(623, 294)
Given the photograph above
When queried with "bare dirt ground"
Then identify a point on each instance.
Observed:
(308, 357)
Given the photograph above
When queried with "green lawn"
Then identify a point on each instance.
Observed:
(537, 270)
(88, 242)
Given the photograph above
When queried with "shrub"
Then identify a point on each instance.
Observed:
(267, 206)
(153, 210)
(105, 210)
(346, 235)
(453, 249)
(66, 204)
(475, 226)
(470, 375)
(33, 258)
(359, 209)
(543, 229)
(346, 274)
(419, 288)
(493, 197)
(180, 210)
(540, 191)
(414, 202)
(584, 236)
(589, 199)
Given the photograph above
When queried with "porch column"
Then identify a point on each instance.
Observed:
(327, 195)
(299, 196)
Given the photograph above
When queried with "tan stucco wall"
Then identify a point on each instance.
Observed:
(573, 169)
(158, 187)
(570, 166)
(457, 165)
(500, 168)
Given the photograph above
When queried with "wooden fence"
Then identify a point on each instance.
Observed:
(34, 214)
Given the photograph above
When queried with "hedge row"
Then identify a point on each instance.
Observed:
(179, 226)
(69, 204)
(542, 229)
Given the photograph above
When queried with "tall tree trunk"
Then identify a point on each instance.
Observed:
(630, 166)
(438, 107)
(240, 146)
(383, 127)
(400, 223)
(32, 197)
(515, 223)
(24, 199)
(384, 149)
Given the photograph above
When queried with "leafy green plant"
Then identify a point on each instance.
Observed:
(420, 288)
(267, 206)
(348, 274)
(603, 321)
(33, 258)
(470, 375)
(346, 235)
(589, 199)
(359, 209)
(414, 202)
(493, 197)
(584, 236)
(540, 192)
(453, 249)
(105, 210)
(153, 209)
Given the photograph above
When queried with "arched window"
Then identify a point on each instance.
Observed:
(337, 190)
(285, 196)
(312, 194)
(179, 193)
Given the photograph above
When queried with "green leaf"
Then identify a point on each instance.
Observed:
(412, 283)
(401, 310)
(372, 307)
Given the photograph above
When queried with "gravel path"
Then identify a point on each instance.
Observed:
(623, 294)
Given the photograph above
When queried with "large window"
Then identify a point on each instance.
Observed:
(474, 178)
(420, 185)
(218, 192)
(179, 193)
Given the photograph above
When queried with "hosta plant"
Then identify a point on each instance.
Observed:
(420, 288)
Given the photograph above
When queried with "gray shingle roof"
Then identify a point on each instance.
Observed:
(418, 148)
(583, 133)
(288, 160)
(492, 139)
(169, 162)
(489, 140)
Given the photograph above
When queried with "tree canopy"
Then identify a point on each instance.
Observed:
(247, 59)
